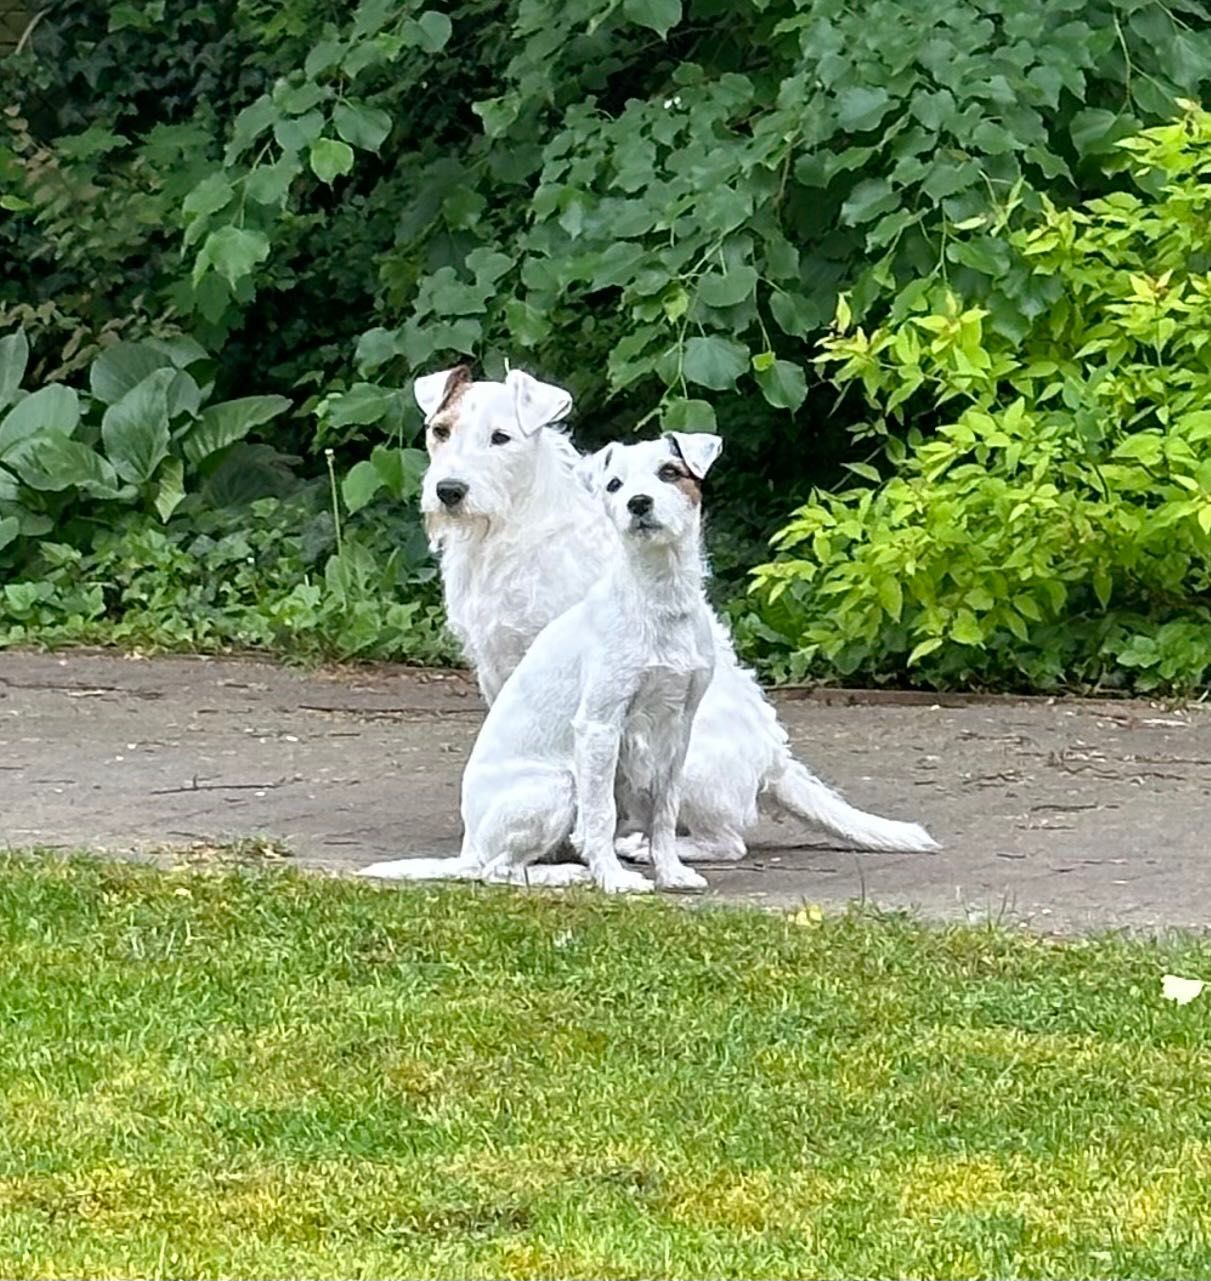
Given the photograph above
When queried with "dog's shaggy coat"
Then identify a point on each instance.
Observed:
(521, 539)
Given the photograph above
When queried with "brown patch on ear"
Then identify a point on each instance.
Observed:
(456, 384)
(445, 416)
(689, 484)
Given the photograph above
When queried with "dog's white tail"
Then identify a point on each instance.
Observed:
(798, 791)
(451, 868)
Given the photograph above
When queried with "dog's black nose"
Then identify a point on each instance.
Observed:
(640, 504)
(451, 492)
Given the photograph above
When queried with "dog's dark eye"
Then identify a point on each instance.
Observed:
(668, 472)
(440, 433)
(614, 486)
(501, 438)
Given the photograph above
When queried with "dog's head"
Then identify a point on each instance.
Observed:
(653, 490)
(482, 439)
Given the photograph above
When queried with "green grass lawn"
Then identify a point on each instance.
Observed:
(258, 1074)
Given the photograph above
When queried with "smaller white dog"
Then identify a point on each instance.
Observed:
(606, 694)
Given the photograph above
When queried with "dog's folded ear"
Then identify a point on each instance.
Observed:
(697, 449)
(433, 390)
(537, 404)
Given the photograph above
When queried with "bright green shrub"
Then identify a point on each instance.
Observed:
(1056, 527)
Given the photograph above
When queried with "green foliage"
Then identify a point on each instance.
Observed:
(659, 202)
(67, 458)
(1055, 527)
(278, 581)
(116, 522)
(676, 210)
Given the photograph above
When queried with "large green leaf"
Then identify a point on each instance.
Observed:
(251, 123)
(233, 252)
(528, 325)
(54, 409)
(14, 355)
(360, 485)
(10, 527)
(374, 348)
(688, 415)
(714, 362)
(362, 404)
(292, 135)
(270, 184)
(727, 288)
(795, 314)
(783, 384)
(135, 428)
(861, 107)
(659, 15)
(330, 159)
(184, 395)
(182, 350)
(170, 489)
(246, 472)
(431, 31)
(222, 425)
(400, 470)
(209, 196)
(870, 199)
(361, 126)
(123, 366)
(58, 462)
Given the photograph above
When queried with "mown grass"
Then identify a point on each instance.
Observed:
(258, 1074)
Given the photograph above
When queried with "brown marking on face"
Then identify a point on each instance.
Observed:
(445, 418)
(690, 486)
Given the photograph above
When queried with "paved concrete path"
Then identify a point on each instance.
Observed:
(1065, 815)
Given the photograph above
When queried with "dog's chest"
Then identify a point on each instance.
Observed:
(654, 717)
(499, 600)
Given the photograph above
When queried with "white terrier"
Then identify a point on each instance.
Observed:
(606, 693)
(521, 540)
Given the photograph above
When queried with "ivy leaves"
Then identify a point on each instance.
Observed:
(714, 362)
(309, 122)
(695, 233)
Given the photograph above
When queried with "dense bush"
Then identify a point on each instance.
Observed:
(1057, 526)
(656, 202)
(288, 579)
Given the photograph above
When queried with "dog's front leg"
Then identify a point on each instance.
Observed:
(670, 872)
(598, 735)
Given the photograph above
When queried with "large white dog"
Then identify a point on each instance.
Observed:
(606, 693)
(521, 539)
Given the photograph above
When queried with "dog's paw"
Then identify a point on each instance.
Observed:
(681, 880)
(634, 848)
(622, 881)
